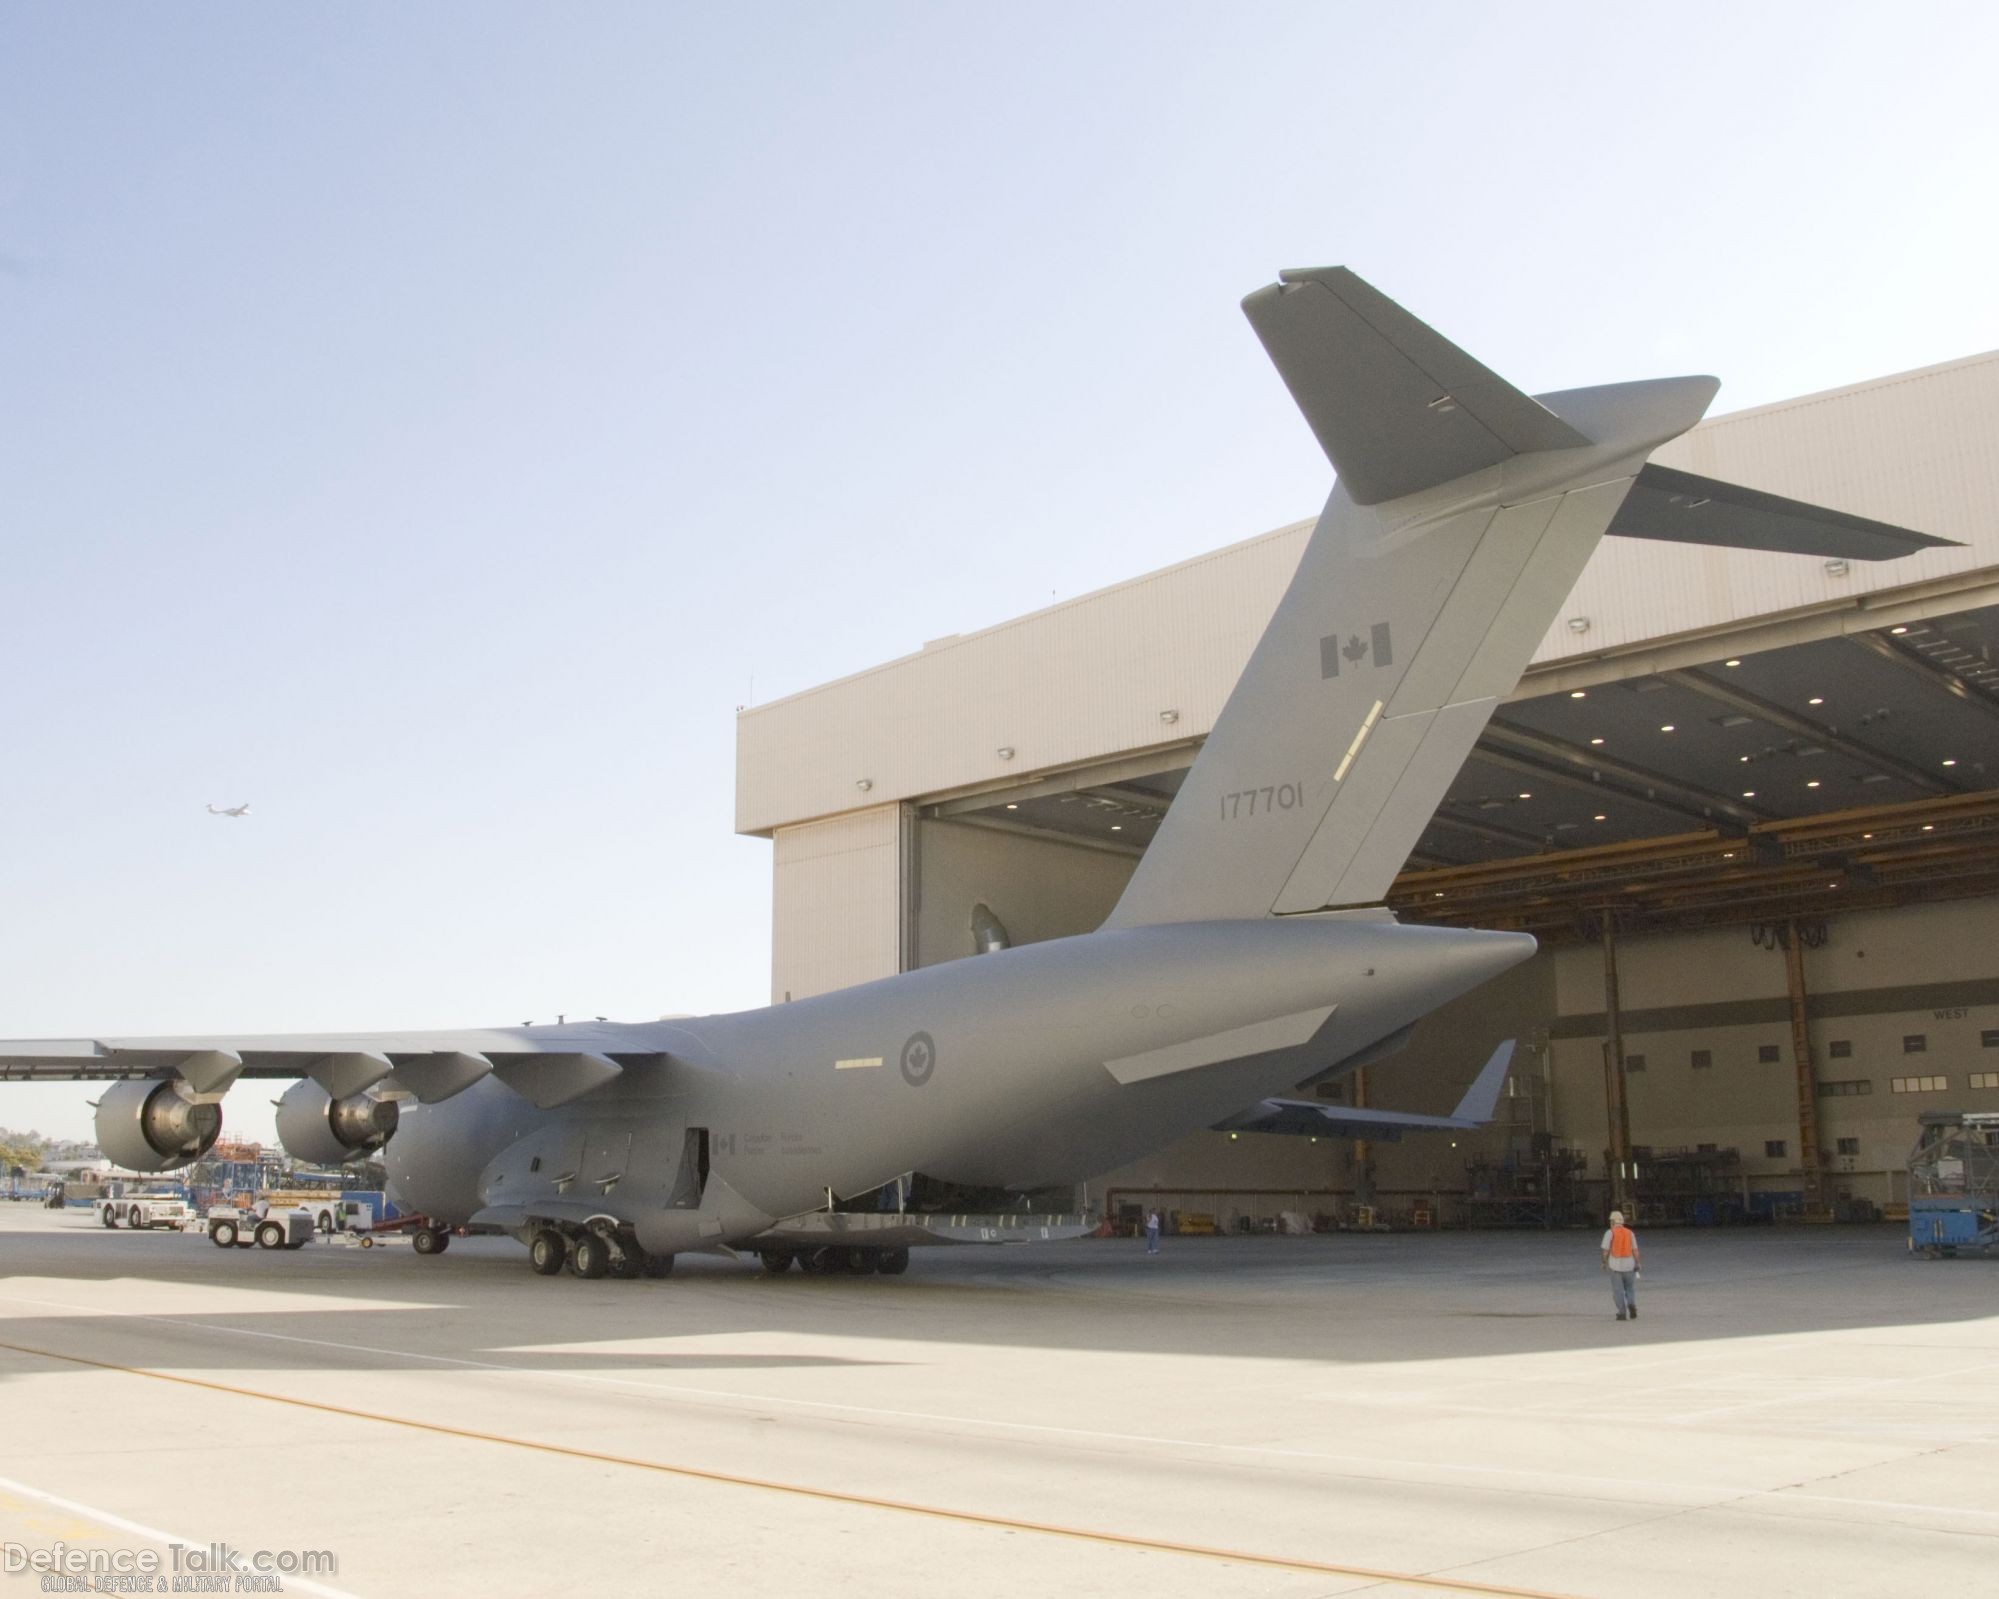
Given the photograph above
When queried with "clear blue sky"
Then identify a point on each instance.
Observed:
(429, 423)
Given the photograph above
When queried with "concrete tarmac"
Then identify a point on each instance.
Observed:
(1806, 1412)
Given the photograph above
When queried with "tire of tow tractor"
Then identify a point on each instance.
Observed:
(223, 1235)
(892, 1262)
(592, 1257)
(775, 1261)
(547, 1252)
(110, 1217)
(659, 1265)
(136, 1217)
(271, 1235)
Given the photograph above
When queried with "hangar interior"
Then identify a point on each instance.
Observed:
(1748, 803)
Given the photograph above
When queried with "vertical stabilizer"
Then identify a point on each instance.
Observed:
(1408, 618)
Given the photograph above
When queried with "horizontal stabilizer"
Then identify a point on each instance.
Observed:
(1394, 404)
(1315, 1119)
(1668, 504)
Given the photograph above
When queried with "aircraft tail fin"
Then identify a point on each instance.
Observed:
(1408, 617)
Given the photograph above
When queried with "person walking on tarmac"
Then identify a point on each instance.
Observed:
(1620, 1259)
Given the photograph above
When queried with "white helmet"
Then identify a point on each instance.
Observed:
(1617, 1218)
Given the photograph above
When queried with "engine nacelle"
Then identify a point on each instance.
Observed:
(150, 1124)
(323, 1131)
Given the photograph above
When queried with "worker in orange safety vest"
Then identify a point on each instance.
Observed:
(1620, 1259)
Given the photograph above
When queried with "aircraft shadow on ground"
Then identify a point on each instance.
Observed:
(1344, 1300)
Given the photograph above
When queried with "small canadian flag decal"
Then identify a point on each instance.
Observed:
(1375, 649)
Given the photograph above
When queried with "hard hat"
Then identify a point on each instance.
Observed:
(1617, 1218)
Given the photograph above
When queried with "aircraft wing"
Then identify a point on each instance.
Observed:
(1315, 1119)
(547, 1065)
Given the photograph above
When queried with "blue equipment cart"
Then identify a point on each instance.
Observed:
(1954, 1183)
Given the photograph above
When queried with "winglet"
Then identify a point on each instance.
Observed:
(1482, 1098)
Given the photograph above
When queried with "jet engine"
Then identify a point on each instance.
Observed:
(153, 1124)
(323, 1131)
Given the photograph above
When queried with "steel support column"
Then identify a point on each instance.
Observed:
(1615, 1107)
(1807, 1076)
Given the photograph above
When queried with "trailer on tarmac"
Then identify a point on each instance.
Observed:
(1954, 1183)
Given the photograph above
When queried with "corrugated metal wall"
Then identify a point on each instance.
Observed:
(1920, 451)
(1057, 687)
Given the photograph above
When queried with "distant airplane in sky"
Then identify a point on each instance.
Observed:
(230, 810)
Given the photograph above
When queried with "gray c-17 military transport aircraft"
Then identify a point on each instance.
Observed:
(1249, 953)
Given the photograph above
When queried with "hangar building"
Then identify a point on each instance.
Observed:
(1749, 804)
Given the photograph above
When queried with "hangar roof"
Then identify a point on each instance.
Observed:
(1697, 715)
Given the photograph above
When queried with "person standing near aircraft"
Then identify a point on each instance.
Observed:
(1152, 1232)
(1620, 1258)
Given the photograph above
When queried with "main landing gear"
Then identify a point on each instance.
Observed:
(592, 1252)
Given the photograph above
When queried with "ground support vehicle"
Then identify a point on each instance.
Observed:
(233, 1227)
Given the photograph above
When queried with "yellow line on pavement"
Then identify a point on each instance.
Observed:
(830, 1495)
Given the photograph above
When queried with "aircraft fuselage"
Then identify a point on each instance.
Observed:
(1048, 1063)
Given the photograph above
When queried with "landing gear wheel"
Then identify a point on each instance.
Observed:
(628, 1262)
(861, 1262)
(659, 1265)
(547, 1252)
(431, 1241)
(892, 1262)
(593, 1256)
(817, 1262)
(223, 1235)
(775, 1261)
(271, 1235)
